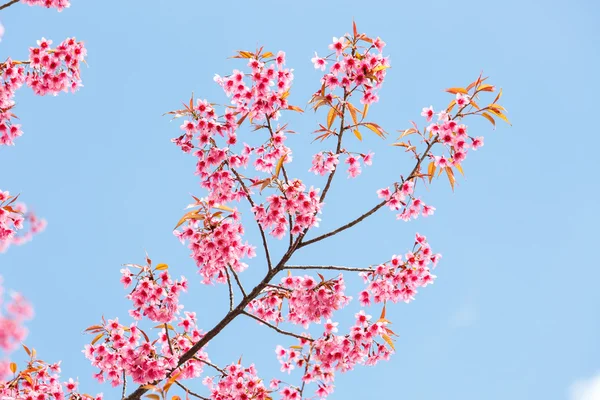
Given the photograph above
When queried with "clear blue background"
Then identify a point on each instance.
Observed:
(514, 311)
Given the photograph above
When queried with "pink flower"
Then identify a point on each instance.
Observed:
(318, 62)
(462, 99)
(428, 113)
(338, 45)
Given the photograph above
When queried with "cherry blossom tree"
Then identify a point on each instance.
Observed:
(300, 302)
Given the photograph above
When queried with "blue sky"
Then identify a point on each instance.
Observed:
(514, 311)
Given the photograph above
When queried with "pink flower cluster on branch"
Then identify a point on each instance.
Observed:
(215, 240)
(17, 225)
(308, 300)
(13, 314)
(58, 4)
(238, 383)
(399, 280)
(39, 380)
(366, 344)
(127, 351)
(48, 71)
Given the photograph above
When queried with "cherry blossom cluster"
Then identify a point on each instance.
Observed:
(332, 353)
(58, 4)
(356, 64)
(402, 199)
(17, 225)
(16, 311)
(216, 243)
(155, 295)
(452, 134)
(308, 300)
(238, 383)
(398, 280)
(48, 71)
(296, 202)
(39, 380)
(55, 70)
(325, 162)
(128, 349)
(267, 91)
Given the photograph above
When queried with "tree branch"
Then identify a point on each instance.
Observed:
(329, 267)
(276, 328)
(377, 207)
(188, 391)
(10, 3)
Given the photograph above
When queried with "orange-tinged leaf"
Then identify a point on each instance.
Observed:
(161, 267)
(451, 106)
(13, 367)
(451, 178)
(407, 132)
(268, 54)
(354, 29)
(489, 118)
(357, 134)
(97, 337)
(353, 113)
(431, 171)
(223, 207)
(382, 316)
(298, 347)
(389, 341)
(459, 168)
(331, 117)
(497, 107)
(380, 68)
(187, 216)
(375, 128)
(455, 90)
(26, 349)
(500, 115)
(365, 111)
(153, 396)
(279, 165)
(93, 327)
(498, 96)
(486, 88)
(295, 108)
(474, 104)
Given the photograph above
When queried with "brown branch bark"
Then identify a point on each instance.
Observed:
(10, 3)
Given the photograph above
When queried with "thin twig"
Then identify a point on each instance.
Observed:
(222, 371)
(230, 290)
(239, 283)
(252, 204)
(337, 149)
(168, 338)
(276, 328)
(124, 385)
(305, 371)
(330, 267)
(188, 391)
(10, 3)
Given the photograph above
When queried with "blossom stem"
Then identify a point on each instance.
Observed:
(188, 391)
(239, 283)
(252, 204)
(230, 290)
(276, 328)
